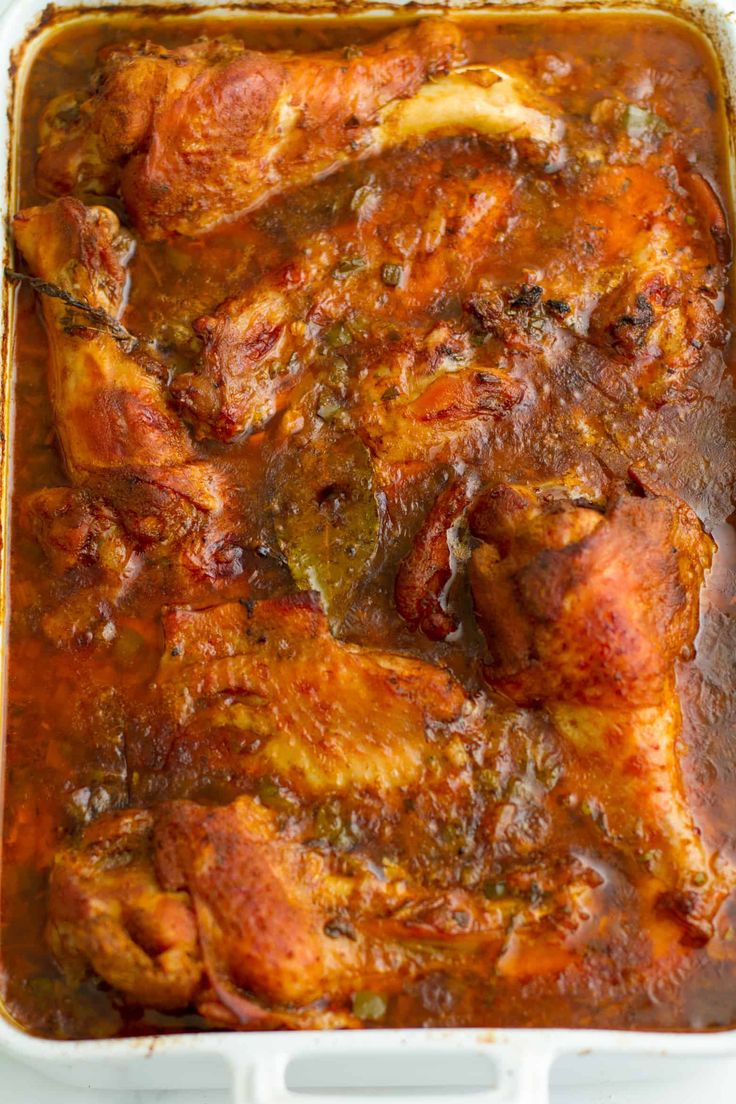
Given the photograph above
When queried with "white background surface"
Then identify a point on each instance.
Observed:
(699, 1082)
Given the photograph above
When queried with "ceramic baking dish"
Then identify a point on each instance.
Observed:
(478, 1066)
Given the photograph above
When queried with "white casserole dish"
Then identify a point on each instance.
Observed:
(483, 1066)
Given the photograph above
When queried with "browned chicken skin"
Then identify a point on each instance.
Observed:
(208, 130)
(389, 253)
(81, 536)
(584, 603)
(201, 132)
(251, 668)
(73, 527)
(429, 749)
(585, 609)
(109, 911)
(218, 906)
(117, 434)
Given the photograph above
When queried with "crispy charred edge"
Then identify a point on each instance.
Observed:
(519, 303)
(427, 568)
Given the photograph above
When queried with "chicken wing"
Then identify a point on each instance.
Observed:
(218, 907)
(118, 437)
(586, 608)
(198, 133)
(320, 725)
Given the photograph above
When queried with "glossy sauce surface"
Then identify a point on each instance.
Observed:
(83, 732)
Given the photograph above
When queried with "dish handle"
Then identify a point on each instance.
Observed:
(517, 1076)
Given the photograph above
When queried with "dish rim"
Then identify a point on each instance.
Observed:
(257, 1061)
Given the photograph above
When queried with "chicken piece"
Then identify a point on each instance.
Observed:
(246, 363)
(586, 609)
(108, 910)
(74, 529)
(258, 930)
(663, 308)
(580, 603)
(118, 437)
(349, 285)
(638, 273)
(287, 924)
(84, 543)
(220, 127)
(426, 570)
(634, 790)
(316, 709)
(434, 402)
(198, 133)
